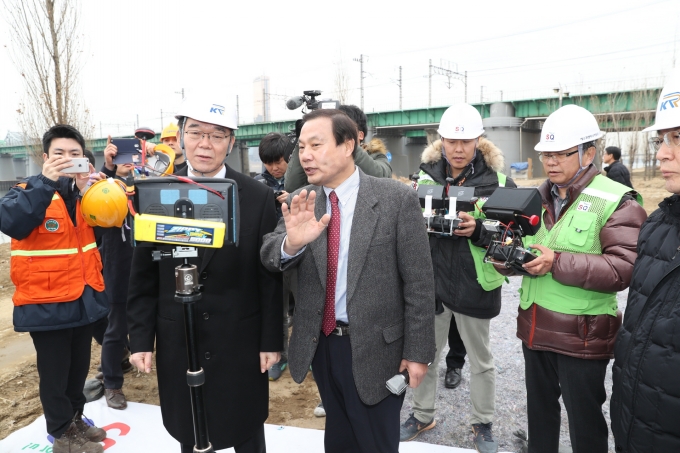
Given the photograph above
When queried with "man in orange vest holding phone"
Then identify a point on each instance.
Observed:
(56, 269)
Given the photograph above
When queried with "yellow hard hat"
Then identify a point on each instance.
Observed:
(162, 162)
(169, 131)
(105, 204)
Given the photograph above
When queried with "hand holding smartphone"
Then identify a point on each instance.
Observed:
(78, 165)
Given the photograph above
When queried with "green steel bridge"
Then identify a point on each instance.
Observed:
(616, 111)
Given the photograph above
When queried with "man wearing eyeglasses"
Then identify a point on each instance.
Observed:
(239, 317)
(644, 405)
(568, 317)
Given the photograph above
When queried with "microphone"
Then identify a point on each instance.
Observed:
(295, 102)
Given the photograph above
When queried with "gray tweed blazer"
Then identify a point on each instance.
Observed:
(390, 286)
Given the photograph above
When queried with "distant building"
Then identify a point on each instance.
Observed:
(261, 99)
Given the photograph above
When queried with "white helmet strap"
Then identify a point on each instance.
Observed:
(581, 169)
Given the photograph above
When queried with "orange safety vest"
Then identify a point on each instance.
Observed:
(57, 260)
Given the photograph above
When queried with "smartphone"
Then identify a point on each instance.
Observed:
(78, 165)
(129, 151)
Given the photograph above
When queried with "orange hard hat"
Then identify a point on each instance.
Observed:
(170, 131)
(104, 204)
(162, 162)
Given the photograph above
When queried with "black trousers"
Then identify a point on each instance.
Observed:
(581, 384)
(456, 356)
(63, 359)
(351, 425)
(255, 444)
(114, 346)
(99, 328)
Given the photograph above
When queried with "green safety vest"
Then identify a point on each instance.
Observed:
(487, 276)
(577, 231)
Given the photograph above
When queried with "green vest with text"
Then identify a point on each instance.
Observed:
(487, 276)
(577, 231)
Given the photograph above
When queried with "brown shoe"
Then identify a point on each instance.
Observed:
(73, 441)
(115, 398)
(91, 433)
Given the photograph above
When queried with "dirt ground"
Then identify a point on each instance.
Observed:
(290, 404)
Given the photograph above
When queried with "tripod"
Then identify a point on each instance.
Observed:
(188, 292)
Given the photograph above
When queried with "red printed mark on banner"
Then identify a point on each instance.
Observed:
(122, 427)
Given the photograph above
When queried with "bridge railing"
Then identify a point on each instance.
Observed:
(626, 110)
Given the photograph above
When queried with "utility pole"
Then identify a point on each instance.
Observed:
(137, 127)
(100, 130)
(429, 96)
(264, 105)
(400, 108)
(180, 92)
(449, 74)
(161, 120)
(362, 77)
(481, 98)
(561, 93)
(238, 116)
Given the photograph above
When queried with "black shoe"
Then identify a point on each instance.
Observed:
(453, 378)
(412, 427)
(484, 441)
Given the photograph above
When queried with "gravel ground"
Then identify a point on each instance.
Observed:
(453, 406)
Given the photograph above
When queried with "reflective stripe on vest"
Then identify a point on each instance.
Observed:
(51, 265)
(52, 252)
(577, 231)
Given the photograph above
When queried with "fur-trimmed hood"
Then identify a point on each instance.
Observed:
(493, 156)
(375, 146)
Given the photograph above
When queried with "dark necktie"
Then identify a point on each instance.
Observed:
(332, 265)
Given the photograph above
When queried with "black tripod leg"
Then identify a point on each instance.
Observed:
(195, 378)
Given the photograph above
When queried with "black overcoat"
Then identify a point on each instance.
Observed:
(239, 316)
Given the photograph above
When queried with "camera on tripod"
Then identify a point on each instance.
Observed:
(510, 215)
(441, 205)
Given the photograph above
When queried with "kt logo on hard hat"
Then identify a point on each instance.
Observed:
(217, 109)
(670, 100)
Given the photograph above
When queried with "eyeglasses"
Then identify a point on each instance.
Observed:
(671, 139)
(558, 157)
(215, 137)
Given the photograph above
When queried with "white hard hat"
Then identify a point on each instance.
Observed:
(462, 122)
(209, 110)
(568, 126)
(668, 108)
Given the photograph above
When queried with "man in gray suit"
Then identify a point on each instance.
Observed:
(366, 291)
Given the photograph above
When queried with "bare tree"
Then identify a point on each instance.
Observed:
(341, 80)
(46, 49)
(626, 115)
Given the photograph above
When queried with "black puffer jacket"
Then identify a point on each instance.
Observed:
(645, 405)
(455, 276)
(619, 173)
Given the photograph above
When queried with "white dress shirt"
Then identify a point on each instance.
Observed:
(347, 200)
(220, 174)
